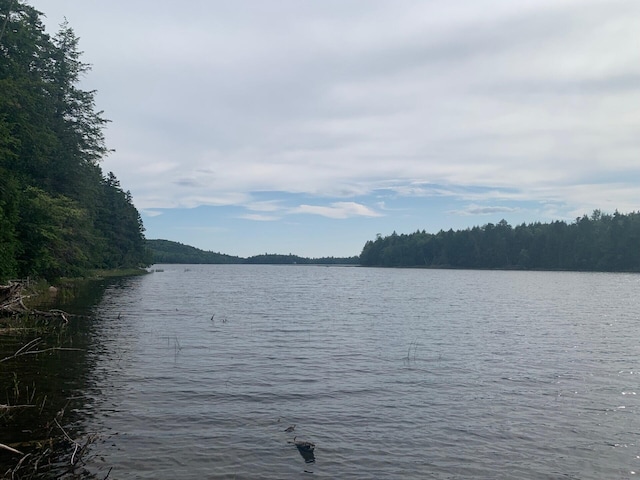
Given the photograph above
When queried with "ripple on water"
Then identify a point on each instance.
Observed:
(391, 373)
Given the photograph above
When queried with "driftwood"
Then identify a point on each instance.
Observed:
(10, 449)
(31, 349)
(52, 458)
(11, 298)
(12, 304)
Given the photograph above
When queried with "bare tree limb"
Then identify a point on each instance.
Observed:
(12, 450)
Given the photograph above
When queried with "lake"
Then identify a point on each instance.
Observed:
(195, 372)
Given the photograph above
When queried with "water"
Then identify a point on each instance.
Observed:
(391, 373)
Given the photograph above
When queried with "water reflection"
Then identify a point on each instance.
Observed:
(522, 375)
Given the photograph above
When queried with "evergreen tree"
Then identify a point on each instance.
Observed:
(59, 215)
(599, 242)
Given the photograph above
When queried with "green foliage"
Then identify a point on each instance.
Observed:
(120, 227)
(166, 251)
(59, 215)
(53, 235)
(597, 243)
(8, 221)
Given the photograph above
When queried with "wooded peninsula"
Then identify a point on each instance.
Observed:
(600, 242)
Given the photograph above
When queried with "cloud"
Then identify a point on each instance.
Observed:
(470, 106)
(264, 206)
(150, 213)
(186, 182)
(339, 210)
(483, 210)
(259, 218)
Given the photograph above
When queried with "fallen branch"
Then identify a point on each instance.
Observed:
(77, 445)
(10, 293)
(13, 407)
(10, 449)
(28, 349)
(35, 352)
(17, 467)
(12, 304)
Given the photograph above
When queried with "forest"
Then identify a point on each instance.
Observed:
(60, 214)
(599, 242)
(167, 251)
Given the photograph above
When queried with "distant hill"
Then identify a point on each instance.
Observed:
(166, 251)
(274, 259)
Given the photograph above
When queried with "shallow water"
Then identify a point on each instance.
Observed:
(391, 373)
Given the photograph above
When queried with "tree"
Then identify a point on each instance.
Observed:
(76, 124)
(59, 215)
(54, 235)
(599, 242)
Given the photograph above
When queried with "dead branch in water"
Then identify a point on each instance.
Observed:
(11, 298)
(12, 304)
(10, 449)
(54, 454)
(30, 349)
(13, 407)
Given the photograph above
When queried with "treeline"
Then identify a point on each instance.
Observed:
(166, 251)
(59, 214)
(600, 242)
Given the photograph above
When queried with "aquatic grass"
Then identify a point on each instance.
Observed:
(177, 347)
(413, 347)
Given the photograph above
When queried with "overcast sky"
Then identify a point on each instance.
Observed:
(308, 127)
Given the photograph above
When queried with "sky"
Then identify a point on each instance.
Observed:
(311, 126)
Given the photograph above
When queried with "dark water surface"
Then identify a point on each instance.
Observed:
(407, 374)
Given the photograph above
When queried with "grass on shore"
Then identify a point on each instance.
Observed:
(125, 272)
